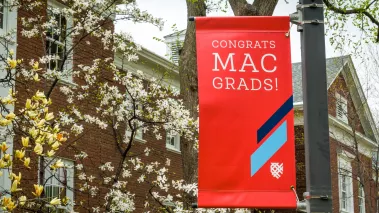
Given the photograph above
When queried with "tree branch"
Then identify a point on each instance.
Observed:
(371, 3)
(354, 11)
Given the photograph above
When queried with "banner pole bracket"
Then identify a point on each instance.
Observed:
(297, 18)
(301, 206)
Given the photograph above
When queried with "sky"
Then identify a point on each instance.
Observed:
(174, 12)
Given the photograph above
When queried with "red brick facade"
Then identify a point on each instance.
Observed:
(98, 144)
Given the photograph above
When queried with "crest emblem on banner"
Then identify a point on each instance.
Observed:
(276, 170)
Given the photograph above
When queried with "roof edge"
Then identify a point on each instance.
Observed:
(363, 99)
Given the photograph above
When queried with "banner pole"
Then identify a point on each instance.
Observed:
(315, 103)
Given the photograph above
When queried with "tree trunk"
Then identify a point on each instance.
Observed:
(258, 8)
(188, 73)
(188, 90)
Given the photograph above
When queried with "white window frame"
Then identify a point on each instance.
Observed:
(176, 138)
(67, 42)
(341, 108)
(345, 178)
(374, 159)
(70, 175)
(138, 134)
(361, 198)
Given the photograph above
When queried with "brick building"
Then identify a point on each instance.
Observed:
(351, 128)
(351, 124)
(98, 143)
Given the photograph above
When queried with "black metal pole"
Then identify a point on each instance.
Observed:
(316, 125)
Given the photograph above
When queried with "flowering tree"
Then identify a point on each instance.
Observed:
(69, 90)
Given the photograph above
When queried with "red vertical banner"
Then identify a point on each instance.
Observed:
(246, 136)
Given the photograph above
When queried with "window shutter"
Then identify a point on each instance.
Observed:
(341, 108)
(175, 48)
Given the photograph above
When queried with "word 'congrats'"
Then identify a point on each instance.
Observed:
(257, 63)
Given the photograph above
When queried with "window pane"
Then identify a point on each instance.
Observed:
(63, 28)
(53, 52)
(2, 14)
(343, 185)
(344, 200)
(48, 191)
(56, 28)
(60, 54)
(55, 192)
(57, 34)
(53, 48)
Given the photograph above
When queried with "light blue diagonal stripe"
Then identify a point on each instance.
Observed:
(268, 148)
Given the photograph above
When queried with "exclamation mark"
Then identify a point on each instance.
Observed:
(276, 83)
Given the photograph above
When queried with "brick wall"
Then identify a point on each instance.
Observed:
(339, 86)
(98, 144)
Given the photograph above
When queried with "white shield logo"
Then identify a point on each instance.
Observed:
(276, 170)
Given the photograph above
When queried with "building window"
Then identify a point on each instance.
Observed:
(344, 192)
(361, 198)
(58, 183)
(341, 108)
(345, 185)
(136, 124)
(2, 14)
(58, 41)
(138, 133)
(375, 159)
(173, 141)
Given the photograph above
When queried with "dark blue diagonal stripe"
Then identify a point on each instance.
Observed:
(274, 119)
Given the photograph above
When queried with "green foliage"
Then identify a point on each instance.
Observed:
(217, 5)
(351, 23)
